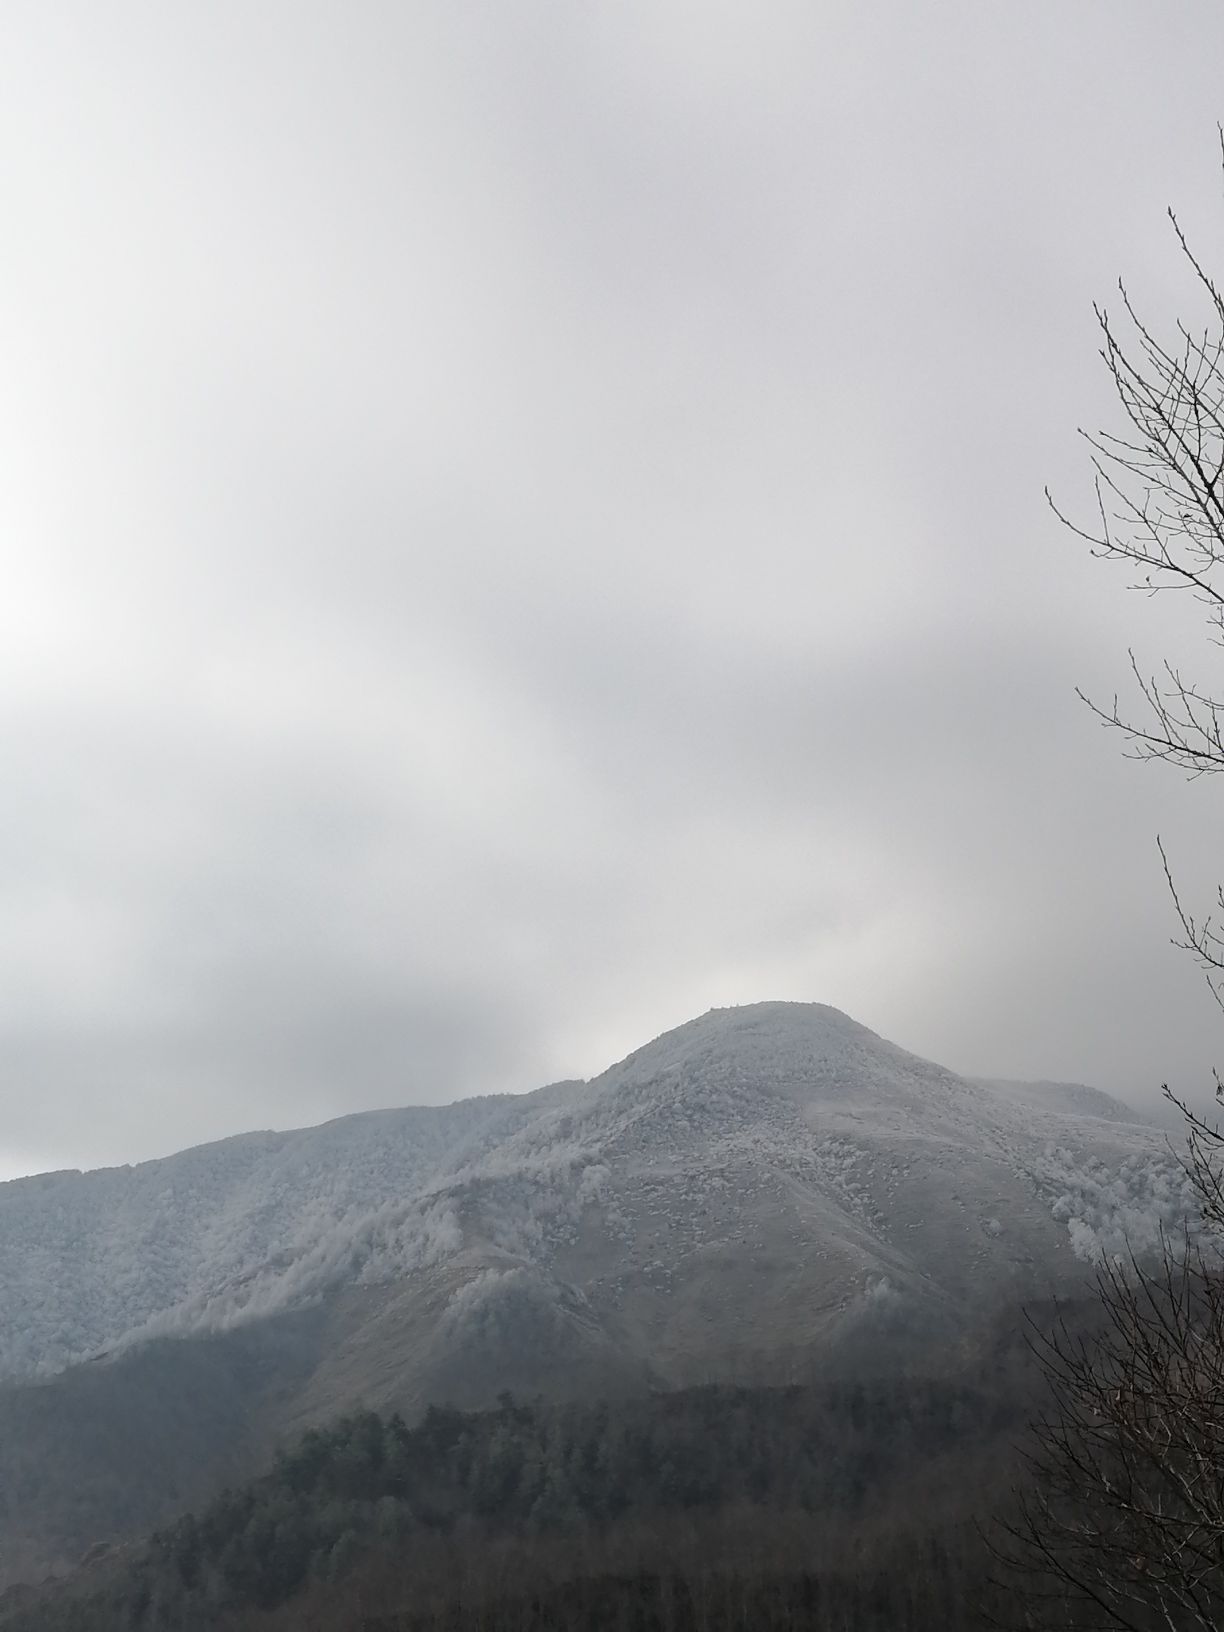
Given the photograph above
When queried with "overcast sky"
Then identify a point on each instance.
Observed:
(524, 522)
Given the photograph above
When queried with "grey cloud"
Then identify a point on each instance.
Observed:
(524, 524)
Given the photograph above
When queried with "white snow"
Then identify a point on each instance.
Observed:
(786, 1123)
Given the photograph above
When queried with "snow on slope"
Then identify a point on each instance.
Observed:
(1067, 1099)
(757, 1163)
(87, 1259)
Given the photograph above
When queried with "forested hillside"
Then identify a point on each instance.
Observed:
(694, 1509)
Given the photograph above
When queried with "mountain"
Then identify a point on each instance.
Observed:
(762, 1195)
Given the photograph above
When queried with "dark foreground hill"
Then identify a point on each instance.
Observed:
(847, 1505)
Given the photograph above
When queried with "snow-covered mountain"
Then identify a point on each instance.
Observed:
(767, 1194)
(728, 1196)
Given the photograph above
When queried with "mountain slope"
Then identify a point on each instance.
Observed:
(1067, 1099)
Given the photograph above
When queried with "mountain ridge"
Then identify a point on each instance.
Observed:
(262, 1220)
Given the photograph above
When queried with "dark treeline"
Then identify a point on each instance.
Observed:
(848, 1506)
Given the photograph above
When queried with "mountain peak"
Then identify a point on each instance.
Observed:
(809, 1053)
(749, 1027)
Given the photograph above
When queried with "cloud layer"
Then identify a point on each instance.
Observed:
(524, 523)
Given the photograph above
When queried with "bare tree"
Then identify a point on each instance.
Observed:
(1160, 510)
(1123, 1524)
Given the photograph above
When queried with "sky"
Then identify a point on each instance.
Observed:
(521, 524)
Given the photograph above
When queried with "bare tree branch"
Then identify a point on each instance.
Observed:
(1122, 1524)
